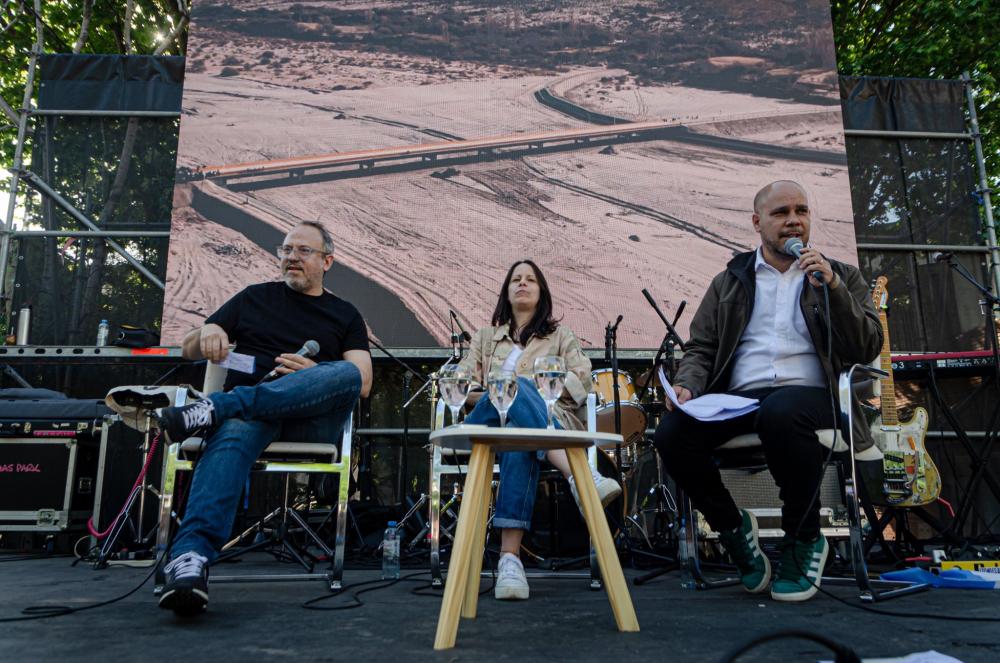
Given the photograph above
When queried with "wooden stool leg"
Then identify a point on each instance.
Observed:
(600, 536)
(482, 512)
(461, 553)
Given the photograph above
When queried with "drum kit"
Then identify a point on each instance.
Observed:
(646, 508)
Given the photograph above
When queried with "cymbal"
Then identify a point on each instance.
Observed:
(649, 378)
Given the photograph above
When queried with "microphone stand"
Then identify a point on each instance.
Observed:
(667, 346)
(665, 356)
(611, 352)
(991, 306)
(403, 470)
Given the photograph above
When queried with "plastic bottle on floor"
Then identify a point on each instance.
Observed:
(390, 552)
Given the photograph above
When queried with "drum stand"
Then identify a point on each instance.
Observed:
(611, 354)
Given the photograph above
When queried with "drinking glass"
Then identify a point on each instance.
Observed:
(502, 387)
(454, 381)
(550, 376)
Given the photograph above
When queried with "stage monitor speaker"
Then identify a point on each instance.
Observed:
(48, 462)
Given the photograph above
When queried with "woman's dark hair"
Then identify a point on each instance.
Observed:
(542, 323)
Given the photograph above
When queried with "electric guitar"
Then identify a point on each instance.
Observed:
(910, 477)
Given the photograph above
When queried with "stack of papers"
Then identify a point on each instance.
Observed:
(711, 407)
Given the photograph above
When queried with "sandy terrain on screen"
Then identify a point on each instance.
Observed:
(603, 223)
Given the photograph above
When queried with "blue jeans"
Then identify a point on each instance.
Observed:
(518, 469)
(308, 405)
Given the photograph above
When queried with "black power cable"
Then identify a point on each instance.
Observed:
(47, 611)
(843, 653)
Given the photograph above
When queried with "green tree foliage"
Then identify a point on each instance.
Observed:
(927, 39)
(152, 26)
(116, 171)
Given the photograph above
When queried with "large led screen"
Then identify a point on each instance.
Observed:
(617, 144)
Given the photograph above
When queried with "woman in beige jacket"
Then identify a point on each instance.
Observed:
(522, 330)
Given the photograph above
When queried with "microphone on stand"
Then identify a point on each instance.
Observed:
(308, 349)
(466, 336)
(941, 256)
(457, 338)
(793, 247)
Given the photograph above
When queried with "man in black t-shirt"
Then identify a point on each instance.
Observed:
(268, 321)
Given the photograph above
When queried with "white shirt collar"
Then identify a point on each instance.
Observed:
(760, 262)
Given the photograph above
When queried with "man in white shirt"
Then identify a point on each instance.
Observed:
(761, 332)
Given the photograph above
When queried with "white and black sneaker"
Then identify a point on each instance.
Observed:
(512, 585)
(186, 589)
(608, 489)
(180, 422)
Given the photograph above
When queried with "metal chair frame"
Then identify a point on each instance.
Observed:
(281, 457)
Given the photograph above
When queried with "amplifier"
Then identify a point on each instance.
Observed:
(756, 491)
(48, 463)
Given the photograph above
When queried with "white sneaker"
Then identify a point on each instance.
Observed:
(607, 489)
(511, 583)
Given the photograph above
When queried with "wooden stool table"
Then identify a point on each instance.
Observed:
(461, 592)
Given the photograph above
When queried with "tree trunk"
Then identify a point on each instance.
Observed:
(95, 277)
(48, 299)
(81, 39)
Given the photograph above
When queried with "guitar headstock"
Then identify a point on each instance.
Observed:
(880, 295)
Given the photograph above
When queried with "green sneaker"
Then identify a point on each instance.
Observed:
(801, 569)
(742, 545)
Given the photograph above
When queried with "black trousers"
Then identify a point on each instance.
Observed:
(786, 423)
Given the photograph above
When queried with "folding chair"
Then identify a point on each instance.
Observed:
(741, 458)
(284, 457)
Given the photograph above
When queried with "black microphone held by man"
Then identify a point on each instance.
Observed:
(309, 349)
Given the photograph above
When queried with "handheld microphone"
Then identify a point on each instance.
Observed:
(308, 349)
(466, 336)
(793, 247)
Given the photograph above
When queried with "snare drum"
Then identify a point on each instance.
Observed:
(633, 416)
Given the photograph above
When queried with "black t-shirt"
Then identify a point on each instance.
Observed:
(269, 319)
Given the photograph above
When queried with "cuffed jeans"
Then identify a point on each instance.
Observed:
(518, 469)
(786, 423)
(308, 405)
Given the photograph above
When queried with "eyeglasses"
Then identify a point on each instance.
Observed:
(284, 251)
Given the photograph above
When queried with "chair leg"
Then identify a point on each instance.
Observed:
(434, 517)
(462, 551)
(337, 569)
(689, 562)
(600, 535)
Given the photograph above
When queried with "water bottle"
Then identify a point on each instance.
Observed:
(102, 333)
(390, 552)
(683, 553)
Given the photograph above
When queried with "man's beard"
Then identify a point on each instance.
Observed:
(297, 282)
(778, 248)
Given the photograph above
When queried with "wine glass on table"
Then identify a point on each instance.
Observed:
(502, 388)
(550, 376)
(454, 381)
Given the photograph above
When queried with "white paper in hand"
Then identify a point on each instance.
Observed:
(710, 407)
(235, 361)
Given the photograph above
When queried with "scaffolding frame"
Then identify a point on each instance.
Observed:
(21, 175)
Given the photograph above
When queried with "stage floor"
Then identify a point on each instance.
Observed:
(564, 620)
